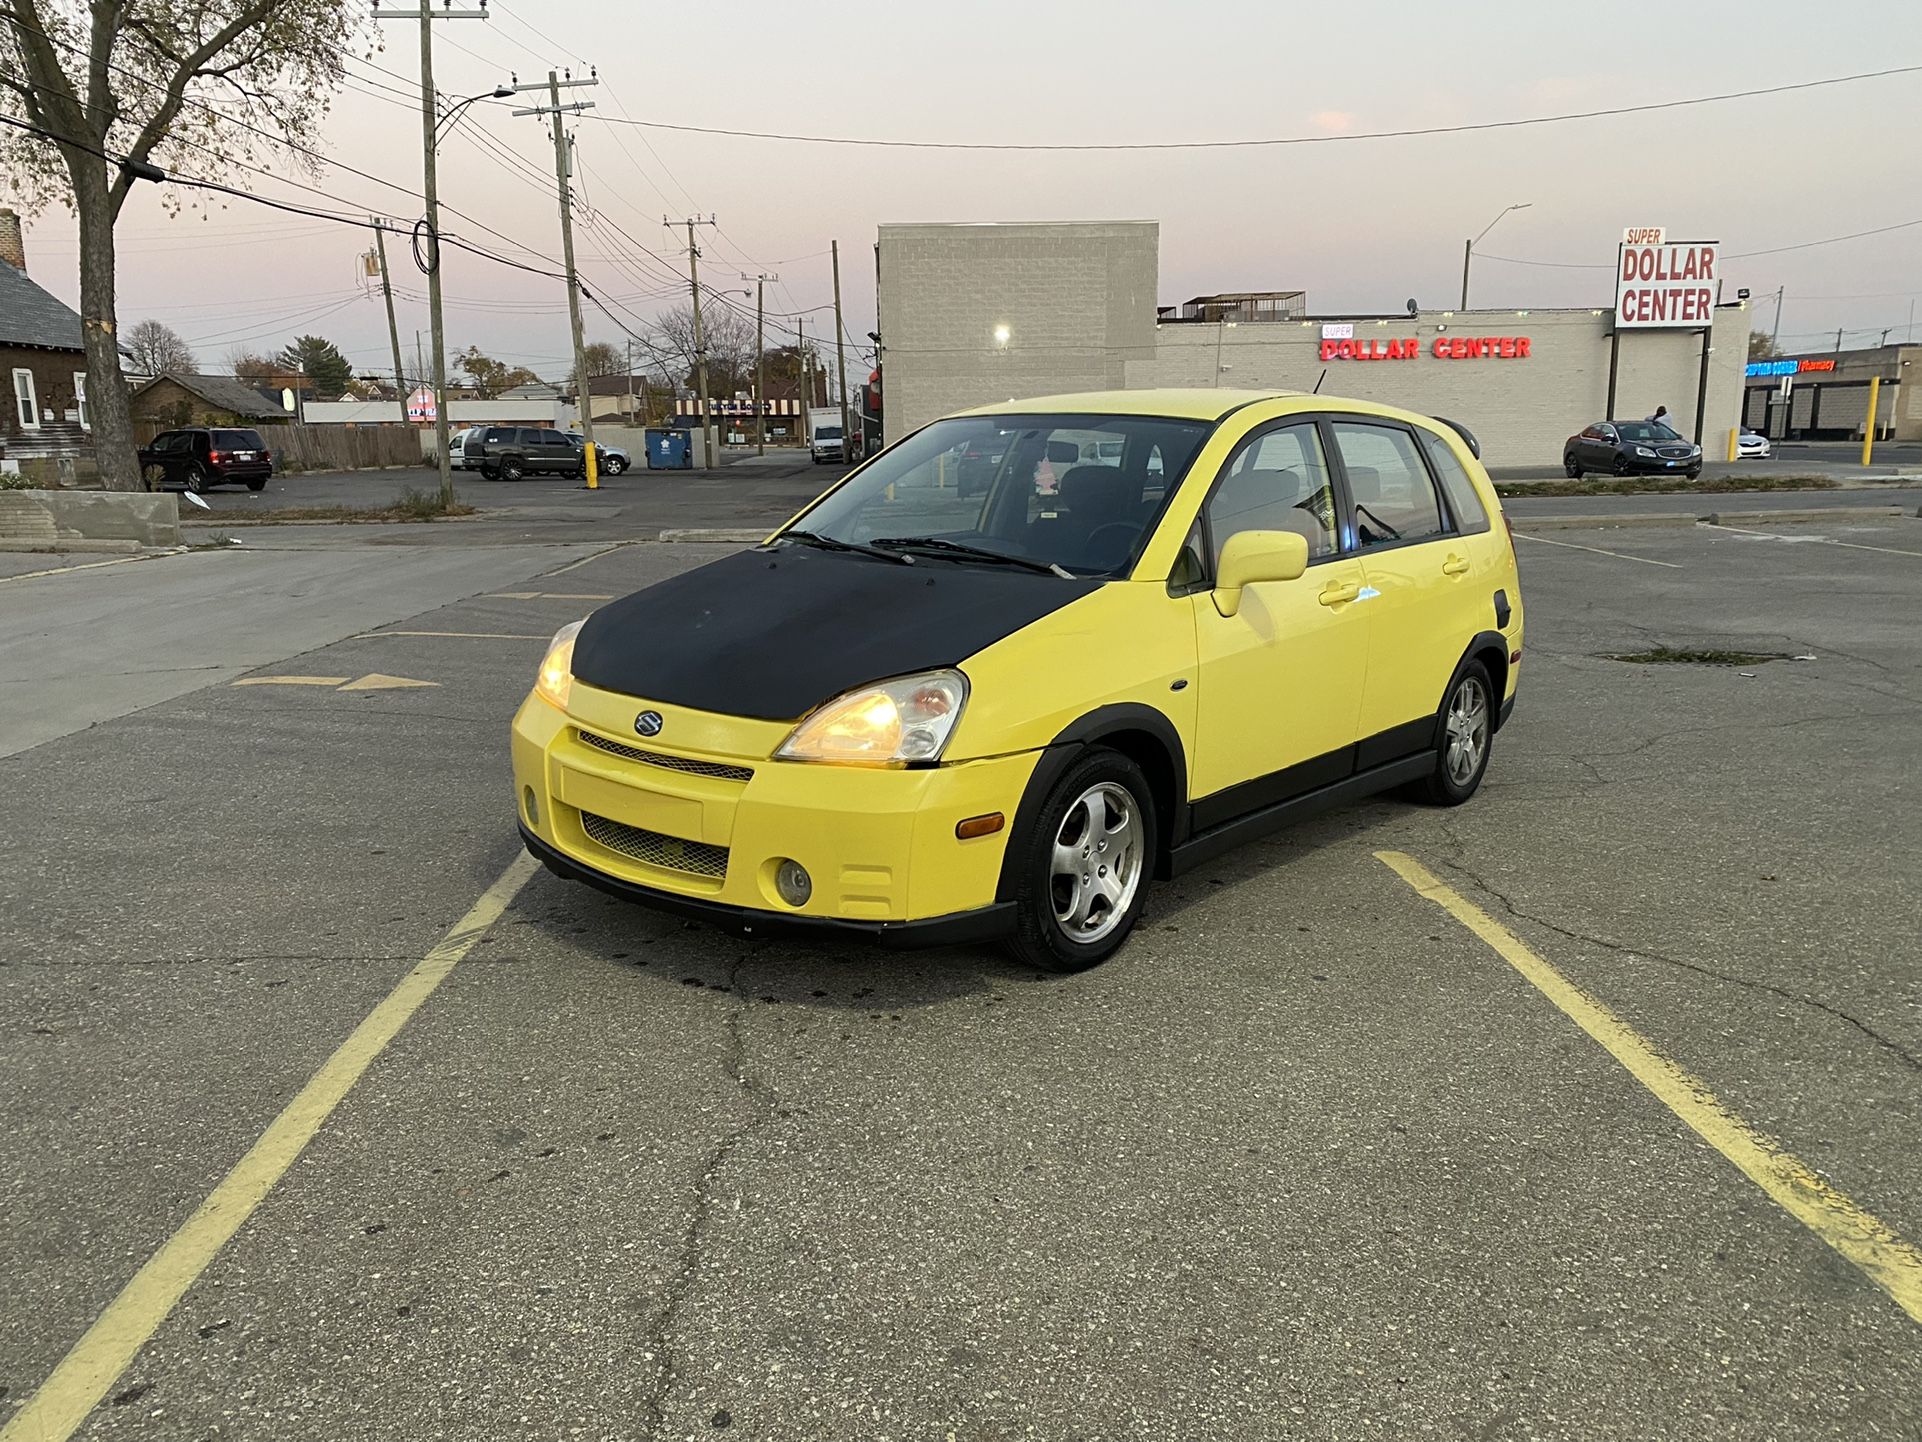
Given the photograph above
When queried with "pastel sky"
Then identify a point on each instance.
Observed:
(1362, 225)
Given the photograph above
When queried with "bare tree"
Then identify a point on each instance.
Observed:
(250, 365)
(111, 88)
(157, 347)
(729, 337)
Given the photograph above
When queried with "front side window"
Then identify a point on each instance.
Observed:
(555, 438)
(26, 405)
(1277, 481)
(1470, 517)
(1017, 488)
(1395, 501)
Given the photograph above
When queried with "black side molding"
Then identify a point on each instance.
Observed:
(1209, 844)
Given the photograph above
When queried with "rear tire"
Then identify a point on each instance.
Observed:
(1081, 871)
(1464, 733)
(1572, 467)
(259, 485)
(198, 481)
(615, 465)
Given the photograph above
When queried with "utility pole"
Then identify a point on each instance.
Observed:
(1838, 340)
(420, 365)
(430, 188)
(760, 360)
(1775, 335)
(807, 373)
(563, 169)
(630, 380)
(700, 337)
(841, 353)
(393, 330)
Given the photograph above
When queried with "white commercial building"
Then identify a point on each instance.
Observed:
(977, 313)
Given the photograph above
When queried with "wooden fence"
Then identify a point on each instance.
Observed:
(326, 448)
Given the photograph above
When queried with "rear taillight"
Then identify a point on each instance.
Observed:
(214, 456)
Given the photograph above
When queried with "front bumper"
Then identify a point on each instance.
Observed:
(1643, 466)
(982, 924)
(700, 827)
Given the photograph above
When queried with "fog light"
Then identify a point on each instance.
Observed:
(792, 881)
(530, 806)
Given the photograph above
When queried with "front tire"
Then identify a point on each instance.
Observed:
(1694, 473)
(1621, 465)
(1081, 871)
(511, 469)
(1464, 731)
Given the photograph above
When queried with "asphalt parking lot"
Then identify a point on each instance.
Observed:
(1319, 1155)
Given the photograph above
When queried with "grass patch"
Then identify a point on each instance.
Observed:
(1663, 485)
(1677, 656)
(412, 506)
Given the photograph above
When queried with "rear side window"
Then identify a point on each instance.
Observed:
(1277, 481)
(1470, 518)
(1395, 501)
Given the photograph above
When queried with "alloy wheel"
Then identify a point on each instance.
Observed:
(1095, 869)
(1466, 741)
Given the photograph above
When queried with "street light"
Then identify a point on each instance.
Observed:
(499, 92)
(1468, 252)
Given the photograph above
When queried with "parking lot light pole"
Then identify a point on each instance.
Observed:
(1468, 250)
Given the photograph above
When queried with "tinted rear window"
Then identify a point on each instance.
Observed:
(1470, 517)
(239, 441)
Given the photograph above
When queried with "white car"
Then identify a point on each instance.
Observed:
(457, 450)
(1752, 446)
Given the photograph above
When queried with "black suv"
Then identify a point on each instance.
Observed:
(199, 457)
(508, 453)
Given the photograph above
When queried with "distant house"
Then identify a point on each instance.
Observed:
(532, 391)
(176, 399)
(40, 348)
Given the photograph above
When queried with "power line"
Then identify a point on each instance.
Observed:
(1249, 143)
(1737, 255)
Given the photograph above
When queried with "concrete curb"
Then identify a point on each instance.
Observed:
(46, 518)
(71, 545)
(711, 534)
(1685, 518)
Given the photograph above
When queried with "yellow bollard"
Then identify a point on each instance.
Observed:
(593, 468)
(1734, 441)
(1868, 431)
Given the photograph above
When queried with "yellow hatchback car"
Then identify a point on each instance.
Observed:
(1029, 658)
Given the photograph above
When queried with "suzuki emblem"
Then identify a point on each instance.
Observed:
(648, 723)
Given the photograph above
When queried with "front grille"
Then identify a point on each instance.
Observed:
(671, 763)
(1672, 453)
(670, 853)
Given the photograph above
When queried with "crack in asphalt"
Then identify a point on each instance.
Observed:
(662, 1330)
(1895, 1048)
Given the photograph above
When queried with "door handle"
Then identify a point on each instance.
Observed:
(1339, 592)
(1455, 566)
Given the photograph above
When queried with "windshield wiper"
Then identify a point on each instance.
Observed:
(977, 553)
(835, 543)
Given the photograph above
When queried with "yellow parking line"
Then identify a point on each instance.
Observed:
(1892, 1263)
(292, 681)
(88, 1372)
(1596, 550)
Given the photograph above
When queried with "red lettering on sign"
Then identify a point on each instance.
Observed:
(1521, 347)
(1327, 350)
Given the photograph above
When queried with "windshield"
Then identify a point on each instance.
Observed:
(1645, 431)
(1079, 492)
(827, 433)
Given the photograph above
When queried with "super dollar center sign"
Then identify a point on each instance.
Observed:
(1663, 283)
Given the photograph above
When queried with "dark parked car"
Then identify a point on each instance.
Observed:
(509, 453)
(198, 457)
(1627, 448)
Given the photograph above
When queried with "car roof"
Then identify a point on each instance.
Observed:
(1194, 404)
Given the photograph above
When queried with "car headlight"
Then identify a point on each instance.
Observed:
(1695, 450)
(893, 723)
(555, 682)
(1645, 451)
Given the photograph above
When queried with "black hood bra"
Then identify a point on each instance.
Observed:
(772, 633)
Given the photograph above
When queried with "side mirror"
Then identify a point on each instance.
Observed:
(1251, 557)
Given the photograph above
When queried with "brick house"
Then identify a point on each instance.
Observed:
(46, 367)
(177, 399)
